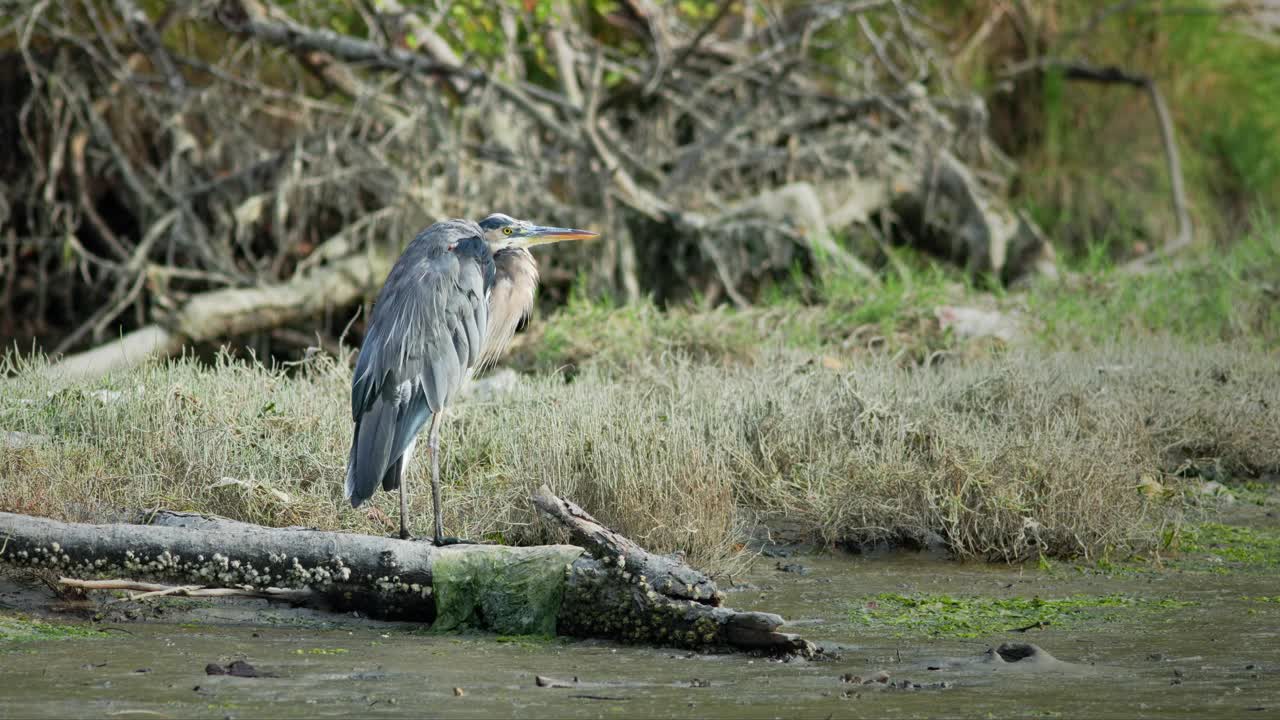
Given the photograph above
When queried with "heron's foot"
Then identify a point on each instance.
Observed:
(446, 541)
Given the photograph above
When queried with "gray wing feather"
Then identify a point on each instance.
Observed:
(414, 360)
(472, 323)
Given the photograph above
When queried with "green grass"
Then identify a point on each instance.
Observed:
(1229, 295)
(1252, 492)
(1204, 296)
(973, 616)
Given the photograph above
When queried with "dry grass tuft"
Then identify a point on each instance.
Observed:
(1005, 457)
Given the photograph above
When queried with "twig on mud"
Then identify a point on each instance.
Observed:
(148, 590)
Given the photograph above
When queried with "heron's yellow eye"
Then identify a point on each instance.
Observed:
(506, 230)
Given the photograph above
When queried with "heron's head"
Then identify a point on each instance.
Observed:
(503, 231)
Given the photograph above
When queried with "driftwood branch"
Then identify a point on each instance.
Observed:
(340, 567)
(669, 576)
(614, 589)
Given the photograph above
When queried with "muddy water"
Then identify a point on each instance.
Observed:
(1220, 657)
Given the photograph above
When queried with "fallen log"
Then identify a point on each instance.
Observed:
(613, 589)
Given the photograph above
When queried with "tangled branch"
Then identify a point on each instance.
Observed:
(235, 145)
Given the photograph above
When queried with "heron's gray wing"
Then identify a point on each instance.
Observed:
(425, 334)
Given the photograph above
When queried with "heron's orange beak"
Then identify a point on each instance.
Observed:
(539, 235)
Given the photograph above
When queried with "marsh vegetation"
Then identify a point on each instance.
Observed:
(1007, 455)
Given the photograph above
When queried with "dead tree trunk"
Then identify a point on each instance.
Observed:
(231, 311)
(614, 589)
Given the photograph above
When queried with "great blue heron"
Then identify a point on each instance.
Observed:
(450, 305)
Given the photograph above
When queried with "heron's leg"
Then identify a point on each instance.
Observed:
(404, 509)
(404, 479)
(434, 448)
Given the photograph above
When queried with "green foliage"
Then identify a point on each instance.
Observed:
(974, 616)
(698, 10)
(1230, 92)
(1056, 124)
(911, 288)
(1092, 162)
(1250, 491)
(849, 312)
(602, 334)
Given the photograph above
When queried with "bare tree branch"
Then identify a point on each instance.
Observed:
(1074, 70)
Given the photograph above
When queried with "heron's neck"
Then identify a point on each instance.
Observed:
(510, 299)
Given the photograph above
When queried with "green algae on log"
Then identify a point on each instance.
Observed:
(507, 593)
(504, 589)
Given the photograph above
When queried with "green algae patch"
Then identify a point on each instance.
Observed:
(1223, 547)
(971, 617)
(16, 629)
(510, 591)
